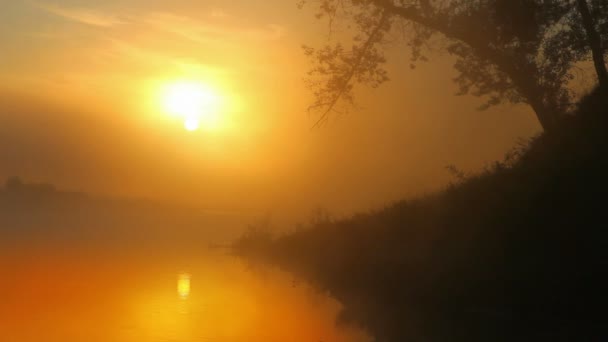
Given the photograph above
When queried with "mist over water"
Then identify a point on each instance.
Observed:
(98, 294)
(300, 171)
(80, 268)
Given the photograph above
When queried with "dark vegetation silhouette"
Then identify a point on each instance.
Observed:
(513, 51)
(518, 252)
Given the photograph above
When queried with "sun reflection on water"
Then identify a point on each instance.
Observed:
(183, 285)
(231, 302)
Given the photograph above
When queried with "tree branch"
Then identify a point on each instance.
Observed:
(369, 43)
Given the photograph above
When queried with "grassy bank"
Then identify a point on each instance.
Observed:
(517, 252)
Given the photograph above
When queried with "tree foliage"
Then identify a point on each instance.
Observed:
(515, 51)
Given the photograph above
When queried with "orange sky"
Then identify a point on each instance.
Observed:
(80, 107)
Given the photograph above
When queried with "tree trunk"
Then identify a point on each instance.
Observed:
(547, 117)
(595, 43)
(523, 80)
(547, 112)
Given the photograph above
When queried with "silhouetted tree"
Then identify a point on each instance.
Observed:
(517, 51)
(14, 184)
(320, 216)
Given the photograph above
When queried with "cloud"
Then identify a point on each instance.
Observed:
(83, 16)
(270, 32)
(220, 26)
(142, 42)
(185, 27)
(153, 59)
(201, 31)
(218, 13)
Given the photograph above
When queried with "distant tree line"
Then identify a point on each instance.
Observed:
(15, 185)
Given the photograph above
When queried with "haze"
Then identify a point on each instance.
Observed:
(303, 170)
(80, 83)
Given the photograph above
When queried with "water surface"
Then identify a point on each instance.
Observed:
(68, 294)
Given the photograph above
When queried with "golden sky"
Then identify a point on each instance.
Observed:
(81, 107)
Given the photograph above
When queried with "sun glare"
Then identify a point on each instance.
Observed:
(196, 104)
(191, 124)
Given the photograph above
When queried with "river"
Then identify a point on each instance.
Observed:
(94, 294)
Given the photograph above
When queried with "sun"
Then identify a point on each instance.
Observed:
(195, 103)
(191, 124)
